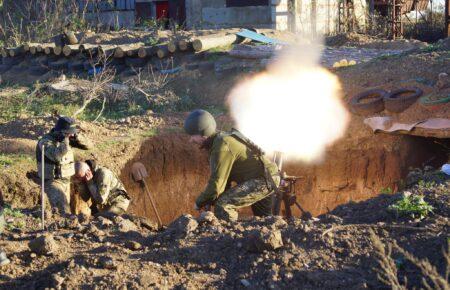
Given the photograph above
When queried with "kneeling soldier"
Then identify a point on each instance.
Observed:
(100, 187)
(59, 161)
(232, 158)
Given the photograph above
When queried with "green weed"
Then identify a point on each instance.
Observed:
(411, 205)
(426, 185)
(150, 133)
(386, 190)
(17, 217)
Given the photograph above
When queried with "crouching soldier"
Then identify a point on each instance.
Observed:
(59, 161)
(232, 158)
(100, 188)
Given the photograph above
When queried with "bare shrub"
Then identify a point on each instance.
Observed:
(429, 27)
(100, 88)
(38, 20)
(387, 272)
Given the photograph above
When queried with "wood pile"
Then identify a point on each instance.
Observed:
(76, 56)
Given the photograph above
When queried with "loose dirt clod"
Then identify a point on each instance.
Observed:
(43, 245)
(264, 240)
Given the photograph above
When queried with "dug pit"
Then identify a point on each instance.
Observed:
(354, 169)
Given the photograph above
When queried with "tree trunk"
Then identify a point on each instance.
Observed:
(106, 51)
(57, 50)
(185, 44)
(122, 50)
(28, 45)
(71, 49)
(16, 51)
(163, 51)
(71, 38)
(172, 46)
(203, 43)
(4, 52)
(147, 51)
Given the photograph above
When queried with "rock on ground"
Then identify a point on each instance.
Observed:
(43, 245)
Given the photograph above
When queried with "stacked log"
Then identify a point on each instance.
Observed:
(147, 51)
(71, 37)
(203, 43)
(127, 50)
(71, 49)
(4, 52)
(57, 50)
(172, 46)
(185, 44)
(89, 49)
(28, 45)
(163, 51)
(49, 49)
(106, 51)
(16, 51)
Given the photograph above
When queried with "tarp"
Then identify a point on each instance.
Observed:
(386, 124)
(258, 37)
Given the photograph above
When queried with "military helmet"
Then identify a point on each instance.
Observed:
(65, 125)
(200, 122)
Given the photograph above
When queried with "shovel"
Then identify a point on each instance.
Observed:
(139, 173)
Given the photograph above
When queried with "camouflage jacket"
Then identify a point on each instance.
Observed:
(59, 157)
(103, 188)
(231, 161)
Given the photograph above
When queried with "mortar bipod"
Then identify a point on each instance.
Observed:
(286, 194)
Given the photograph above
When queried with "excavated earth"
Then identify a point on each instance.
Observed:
(344, 188)
(335, 251)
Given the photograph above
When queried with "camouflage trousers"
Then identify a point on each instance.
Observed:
(117, 206)
(252, 193)
(2, 221)
(58, 194)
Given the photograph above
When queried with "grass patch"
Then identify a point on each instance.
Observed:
(107, 144)
(150, 133)
(8, 160)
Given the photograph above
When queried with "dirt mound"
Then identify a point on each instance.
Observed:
(366, 41)
(335, 251)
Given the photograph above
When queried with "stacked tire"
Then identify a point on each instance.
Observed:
(376, 100)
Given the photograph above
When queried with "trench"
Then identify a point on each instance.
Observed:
(178, 172)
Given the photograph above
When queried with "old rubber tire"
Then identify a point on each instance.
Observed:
(399, 100)
(427, 101)
(373, 106)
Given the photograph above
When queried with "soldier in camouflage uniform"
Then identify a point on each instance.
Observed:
(3, 259)
(59, 161)
(100, 188)
(232, 159)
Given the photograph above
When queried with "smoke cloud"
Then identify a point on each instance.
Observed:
(294, 107)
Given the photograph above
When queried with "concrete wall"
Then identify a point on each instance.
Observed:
(215, 14)
(306, 17)
(316, 17)
(113, 18)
